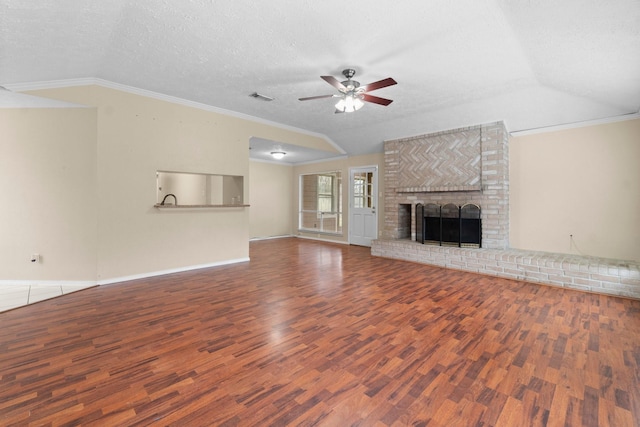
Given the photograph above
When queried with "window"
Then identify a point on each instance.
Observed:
(326, 192)
(321, 202)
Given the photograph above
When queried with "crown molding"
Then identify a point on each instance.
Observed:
(271, 162)
(328, 159)
(57, 84)
(51, 84)
(576, 125)
(308, 162)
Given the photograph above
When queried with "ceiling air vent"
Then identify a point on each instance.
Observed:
(260, 96)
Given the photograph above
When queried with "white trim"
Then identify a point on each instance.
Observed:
(322, 240)
(121, 279)
(169, 271)
(55, 84)
(284, 236)
(364, 167)
(575, 125)
(51, 84)
(309, 162)
(328, 159)
(271, 162)
(49, 282)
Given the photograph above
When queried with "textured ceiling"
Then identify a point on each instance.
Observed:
(530, 63)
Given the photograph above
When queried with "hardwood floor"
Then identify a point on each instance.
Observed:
(309, 333)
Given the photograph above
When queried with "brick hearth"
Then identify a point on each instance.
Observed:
(590, 274)
(471, 165)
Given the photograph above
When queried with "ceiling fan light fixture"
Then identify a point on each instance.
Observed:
(278, 154)
(349, 103)
(357, 102)
(351, 95)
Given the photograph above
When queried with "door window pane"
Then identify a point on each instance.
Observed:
(362, 189)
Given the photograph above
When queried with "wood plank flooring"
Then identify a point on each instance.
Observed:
(309, 333)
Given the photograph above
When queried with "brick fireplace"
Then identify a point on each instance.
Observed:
(468, 165)
(471, 165)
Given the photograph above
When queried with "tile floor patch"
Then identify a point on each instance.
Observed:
(14, 296)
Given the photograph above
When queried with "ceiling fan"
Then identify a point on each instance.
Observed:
(352, 94)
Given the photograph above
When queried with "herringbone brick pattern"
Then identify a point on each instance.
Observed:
(444, 162)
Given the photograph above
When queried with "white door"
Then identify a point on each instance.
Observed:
(363, 219)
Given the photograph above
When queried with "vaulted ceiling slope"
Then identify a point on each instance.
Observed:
(457, 63)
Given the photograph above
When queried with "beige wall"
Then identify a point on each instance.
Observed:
(343, 165)
(48, 181)
(136, 137)
(583, 181)
(271, 202)
(79, 188)
(131, 137)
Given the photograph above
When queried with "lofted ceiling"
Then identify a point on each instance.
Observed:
(530, 63)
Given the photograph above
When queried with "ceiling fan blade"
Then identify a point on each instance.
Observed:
(379, 84)
(315, 97)
(334, 82)
(376, 99)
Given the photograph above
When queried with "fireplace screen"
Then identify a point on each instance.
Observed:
(432, 223)
(428, 223)
(450, 228)
(449, 225)
(470, 226)
(420, 223)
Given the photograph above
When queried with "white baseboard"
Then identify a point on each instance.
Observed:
(169, 271)
(119, 279)
(254, 239)
(49, 282)
(322, 240)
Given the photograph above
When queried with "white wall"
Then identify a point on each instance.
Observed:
(583, 181)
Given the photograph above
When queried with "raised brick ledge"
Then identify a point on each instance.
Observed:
(591, 274)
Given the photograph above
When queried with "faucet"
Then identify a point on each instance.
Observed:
(172, 195)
